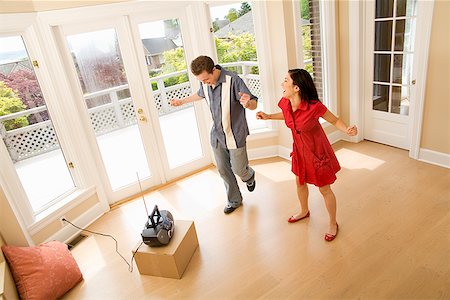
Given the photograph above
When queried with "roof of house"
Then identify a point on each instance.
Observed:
(8, 68)
(158, 45)
(242, 25)
(238, 26)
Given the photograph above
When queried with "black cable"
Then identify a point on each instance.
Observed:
(130, 264)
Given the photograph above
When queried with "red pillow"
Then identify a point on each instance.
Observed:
(47, 271)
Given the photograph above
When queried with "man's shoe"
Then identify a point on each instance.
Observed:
(229, 209)
(251, 186)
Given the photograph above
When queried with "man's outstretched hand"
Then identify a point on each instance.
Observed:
(245, 99)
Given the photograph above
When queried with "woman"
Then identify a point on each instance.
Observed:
(313, 159)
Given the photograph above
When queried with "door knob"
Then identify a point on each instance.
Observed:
(143, 118)
(140, 111)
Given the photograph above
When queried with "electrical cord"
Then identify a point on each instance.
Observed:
(130, 264)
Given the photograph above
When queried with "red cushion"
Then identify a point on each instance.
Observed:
(47, 271)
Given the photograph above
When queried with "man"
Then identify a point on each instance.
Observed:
(228, 97)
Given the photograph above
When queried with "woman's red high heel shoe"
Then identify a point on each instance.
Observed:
(330, 237)
(293, 220)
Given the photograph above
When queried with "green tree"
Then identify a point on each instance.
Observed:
(11, 103)
(304, 9)
(245, 8)
(232, 15)
(236, 48)
(173, 61)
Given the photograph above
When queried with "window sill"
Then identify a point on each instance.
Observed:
(51, 214)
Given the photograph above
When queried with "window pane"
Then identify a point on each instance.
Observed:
(399, 35)
(234, 36)
(383, 35)
(402, 72)
(408, 44)
(380, 97)
(400, 100)
(312, 42)
(100, 69)
(27, 130)
(381, 67)
(401, 8)
(384, 8)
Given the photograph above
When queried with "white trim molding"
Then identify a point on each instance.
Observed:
(424, 24)
(434, 158)
(68, 232)
(356, 67)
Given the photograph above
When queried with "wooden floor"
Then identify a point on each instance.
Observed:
(393, 242)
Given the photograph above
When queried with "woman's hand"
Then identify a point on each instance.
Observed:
(351, 131)
(260, 115)
(176, 102)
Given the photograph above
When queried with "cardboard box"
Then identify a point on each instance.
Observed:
(172, 259)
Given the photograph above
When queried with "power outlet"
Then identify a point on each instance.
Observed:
(63, 223)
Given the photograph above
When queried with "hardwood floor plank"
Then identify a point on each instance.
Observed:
(393, 241)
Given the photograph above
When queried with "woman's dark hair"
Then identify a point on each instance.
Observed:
(304, 81)
(201, 64)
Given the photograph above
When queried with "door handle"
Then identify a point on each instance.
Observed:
(140, 111)
(142, 118)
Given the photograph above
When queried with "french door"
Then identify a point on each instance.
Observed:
(391, 54)
(124, 82)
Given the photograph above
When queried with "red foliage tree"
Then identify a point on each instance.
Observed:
(27, 86)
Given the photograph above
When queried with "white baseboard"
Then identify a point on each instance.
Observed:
(284, 152)
(262, 152)
(434, 157)
(68, 232)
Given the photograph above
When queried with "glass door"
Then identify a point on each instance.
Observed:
(162, 46)
(391, 35)
(113, 105)
(167, 75)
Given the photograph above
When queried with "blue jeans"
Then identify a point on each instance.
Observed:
(230, 162)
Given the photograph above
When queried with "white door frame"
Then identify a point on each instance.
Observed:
(357, 79)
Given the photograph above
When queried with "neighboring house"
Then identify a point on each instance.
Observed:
(240, 25)
(221, 23)
(11, 67)
(154, 49)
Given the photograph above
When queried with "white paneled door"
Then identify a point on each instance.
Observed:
(391, 58)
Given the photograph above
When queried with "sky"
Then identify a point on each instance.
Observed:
(220, 12)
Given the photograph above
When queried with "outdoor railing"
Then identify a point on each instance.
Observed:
(32, 140)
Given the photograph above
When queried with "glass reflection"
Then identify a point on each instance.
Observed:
(382, 65)
(380, 97)
(384, 8)
(383, 35)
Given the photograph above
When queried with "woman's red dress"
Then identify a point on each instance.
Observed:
(313, 159)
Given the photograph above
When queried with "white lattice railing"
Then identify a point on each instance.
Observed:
(39, 138)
